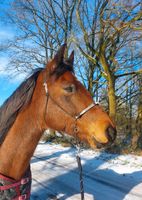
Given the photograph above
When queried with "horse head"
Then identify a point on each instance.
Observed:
(70, 107)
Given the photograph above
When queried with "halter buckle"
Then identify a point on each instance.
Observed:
(45, 87)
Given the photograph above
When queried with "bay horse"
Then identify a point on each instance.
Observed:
(51, 98)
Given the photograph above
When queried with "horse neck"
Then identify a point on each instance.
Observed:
(22, 139)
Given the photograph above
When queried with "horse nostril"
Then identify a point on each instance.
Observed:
(111, 133)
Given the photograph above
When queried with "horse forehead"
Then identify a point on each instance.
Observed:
(68, 76)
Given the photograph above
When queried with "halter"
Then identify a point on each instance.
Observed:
(75, 131)
(76, 117)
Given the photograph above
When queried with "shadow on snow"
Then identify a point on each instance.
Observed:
(101, 184)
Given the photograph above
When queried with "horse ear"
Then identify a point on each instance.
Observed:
(71, 58)
(59, 57)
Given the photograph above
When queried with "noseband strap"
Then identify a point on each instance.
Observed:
(85, 110)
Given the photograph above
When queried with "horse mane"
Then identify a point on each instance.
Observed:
(15, 103)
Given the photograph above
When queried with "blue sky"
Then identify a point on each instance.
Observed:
(6, 88)
(7, 83)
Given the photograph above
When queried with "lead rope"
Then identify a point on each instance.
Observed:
(78, 159)
(78, 150)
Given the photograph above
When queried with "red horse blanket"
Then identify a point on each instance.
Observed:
(15, 190)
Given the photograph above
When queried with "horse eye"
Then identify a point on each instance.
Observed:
(70, 89)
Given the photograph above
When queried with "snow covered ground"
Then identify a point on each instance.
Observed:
(106, 176)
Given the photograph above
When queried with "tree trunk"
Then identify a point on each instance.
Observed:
(112, 97)
(90, 79)
(139, 116)
(111, 86)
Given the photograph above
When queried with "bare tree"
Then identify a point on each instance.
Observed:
(107, 33)
(139, 115)
(42, 26)
(107, 36)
